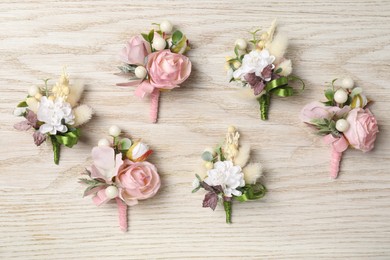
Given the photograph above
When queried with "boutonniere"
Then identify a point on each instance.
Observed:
(155, 62)
(260, 64)
(228, 176)
(120, 173)
(53, 112)
(343, 120)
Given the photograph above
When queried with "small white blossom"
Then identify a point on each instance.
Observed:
(227, 175)
(254, 62)
(54, 114)
(195, 183)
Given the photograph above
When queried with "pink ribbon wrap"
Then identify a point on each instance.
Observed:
(122, 210)
(145, 88)
(339, 145)
(101, 198)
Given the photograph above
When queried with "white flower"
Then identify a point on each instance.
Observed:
(195, 183)
(19, 111)
(138, 151)
(227, 175)
(55, 114)
(254, 62)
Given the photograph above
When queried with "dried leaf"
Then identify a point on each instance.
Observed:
(22, 126)
(210, 200)
(39, 138)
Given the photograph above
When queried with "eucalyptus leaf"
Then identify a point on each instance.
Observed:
(207, 156)
(176, 37)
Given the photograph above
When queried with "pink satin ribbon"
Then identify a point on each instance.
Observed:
(101, 198)
(122, 210)
(145, 88)
(339, 145)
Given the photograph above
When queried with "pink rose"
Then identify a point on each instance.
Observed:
(362, 130)
(137, 181)
(167, 70)
(135, 51)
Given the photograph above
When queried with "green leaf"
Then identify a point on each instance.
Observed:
(196, 189)
(329, 94)
(151, 35)
(220, 153)
(236, 50)
(278, 70)
(207, 156)
(198, 177)
(145, 36)
(22, 104)
(90, 181)
(176, 37)
(328, 103)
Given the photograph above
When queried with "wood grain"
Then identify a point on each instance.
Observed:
(304, 215)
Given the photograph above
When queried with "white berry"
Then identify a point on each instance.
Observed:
(241, 44)
(159, 43)
(33, 90)
(111, 192)
(140, 72)
(347, 83)
(114, 131)
(166, 27)
(103, 142)
(340, 96)
(342, 125)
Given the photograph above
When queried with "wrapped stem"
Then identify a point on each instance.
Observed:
(227, 204)
(56, 149)
(335, 163)
(155, 96)
(122, 210)
(264, 101)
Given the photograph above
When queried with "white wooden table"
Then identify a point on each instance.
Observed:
(304, 215)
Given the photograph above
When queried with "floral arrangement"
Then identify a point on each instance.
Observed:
(260, 63)
(120, 172)
(226, 174)
(54, 113)
(155, 62)
(343, 120)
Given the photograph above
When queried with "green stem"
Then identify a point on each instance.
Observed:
(264, 102)
(56, 149)
(227, 204)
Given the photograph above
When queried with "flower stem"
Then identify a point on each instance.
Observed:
(335, 163)
(155, 95)
(56, 149)
(227, 204)
(122, 210)
(264, 102)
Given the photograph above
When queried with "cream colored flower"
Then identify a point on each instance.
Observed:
(230, 148)
(61, 88)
